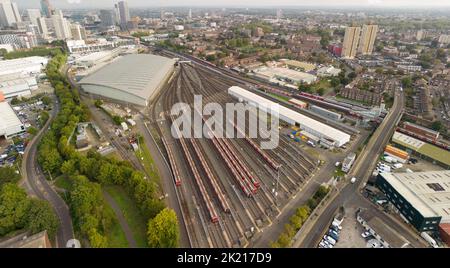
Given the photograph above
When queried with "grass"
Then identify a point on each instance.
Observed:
(115, 235)
(131, 213)
(279, 97)
(147, 162)
(323, 83)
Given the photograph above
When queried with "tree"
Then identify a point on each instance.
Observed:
(351, 75)
(437, 126)
(303, 213)
(8, 175)
(163, 230)
(14, 206)
(321, 91)
(407, 82)
(46, 100)
(41, 217)
(97, 240)
(32, 131)
(211, 58)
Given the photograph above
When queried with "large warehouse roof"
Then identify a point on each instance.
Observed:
(429, 150)
(136, 75)
(324, 130)
(10, 124)
(428, 192)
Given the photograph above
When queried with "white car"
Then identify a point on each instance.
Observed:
(353, 180)
(366, 234)
(331, 240)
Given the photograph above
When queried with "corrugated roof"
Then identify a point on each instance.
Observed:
(138, 75)
(429, 150)
(428, 192)
(8, 118)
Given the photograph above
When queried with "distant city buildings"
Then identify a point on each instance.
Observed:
(62, 26)
(351, 41)
(9, 14)
(124, 14)
(47, 8)
(357, 41)
(367, 40)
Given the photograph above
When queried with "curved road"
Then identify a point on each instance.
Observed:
(36, 184)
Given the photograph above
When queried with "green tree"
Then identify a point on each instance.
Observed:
(407, 82)
(163, 230)
(321, 91)
(14, 206)
(8, 175)
(97, 240)
(32, 131)
(437, 126)
(46, 100)
(41, 217)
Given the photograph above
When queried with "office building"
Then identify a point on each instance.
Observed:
(107, 18)
(124, 13)
(47, 8)
(33, 15)
(61, 26)
(351, 41)
(367, 39)
(422, 198)
(190, 14)
(42, 26)
(9, 14)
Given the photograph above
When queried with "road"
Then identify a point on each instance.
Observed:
(362, 170)
(36, 184)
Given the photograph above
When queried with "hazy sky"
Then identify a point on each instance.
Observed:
(156, 3)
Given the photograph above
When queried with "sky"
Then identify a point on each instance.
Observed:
(237, 3)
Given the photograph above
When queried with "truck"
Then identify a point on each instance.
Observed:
(390, 159)
(131, 122)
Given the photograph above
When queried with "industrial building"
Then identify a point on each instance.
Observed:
(17, 85)
(424, 150)
(10, 124)
(89, 60)
(314, 127)
(423, 198)
(29, 65)
(285, 75)
(132, 79)
(326, 113)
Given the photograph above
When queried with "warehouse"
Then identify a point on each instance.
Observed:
(423, 198)
(310, 125)
(29, 65)
(132, 79)
(285, 75)
(423, 149)
(10, 124)
(326, 113)
(17, 85)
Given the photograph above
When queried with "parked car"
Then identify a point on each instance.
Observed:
(366, 234)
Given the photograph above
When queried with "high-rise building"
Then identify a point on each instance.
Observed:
(162, 14)
(33, 15)
(124, 13)
(107, 18)
(421, 34)
(9, 14)
(367, 40)
(43, 29)
(78, 32)
(116, 14)
(47, 8)
(279, 14)
(190, 14)
(61, 26)
(351, 41)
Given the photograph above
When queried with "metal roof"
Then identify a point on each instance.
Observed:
(323, 129)
(8, 118)
(137, 75)
(428, 192)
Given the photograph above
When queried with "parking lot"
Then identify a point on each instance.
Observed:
(350, 236)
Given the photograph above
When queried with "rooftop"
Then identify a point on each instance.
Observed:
(330, 132)
(429, 150)
(39, 240)
(287, 73)
(428, 192)
(138, 75)
(8, 118)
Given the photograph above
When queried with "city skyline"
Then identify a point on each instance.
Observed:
(236, 3)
